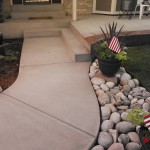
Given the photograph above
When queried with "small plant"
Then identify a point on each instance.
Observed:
(102, 48)
(136, 116)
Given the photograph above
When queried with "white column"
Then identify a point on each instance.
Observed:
(113, 6)
(62, 1)
(74, 10)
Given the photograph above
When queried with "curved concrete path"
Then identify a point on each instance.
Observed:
(52, 105)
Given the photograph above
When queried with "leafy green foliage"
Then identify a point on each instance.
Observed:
(102, 48)
(136, 116)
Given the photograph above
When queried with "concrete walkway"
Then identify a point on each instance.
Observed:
(52, 105)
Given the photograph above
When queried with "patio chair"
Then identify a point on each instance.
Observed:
(137, 5)
(126, 8)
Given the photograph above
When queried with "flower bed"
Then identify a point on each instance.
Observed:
(117, 96)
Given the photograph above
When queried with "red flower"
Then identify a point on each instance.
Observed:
(146, 140)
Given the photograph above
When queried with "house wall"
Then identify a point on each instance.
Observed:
(83, 7)
(6, 8)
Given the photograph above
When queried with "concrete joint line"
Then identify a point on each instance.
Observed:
(49, 115)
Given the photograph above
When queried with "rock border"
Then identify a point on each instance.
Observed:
(116, 97)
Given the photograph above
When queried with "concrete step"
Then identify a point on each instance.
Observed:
(75, 47)
(18, 26)
(46, 32)
(36, 8)
(26, 15)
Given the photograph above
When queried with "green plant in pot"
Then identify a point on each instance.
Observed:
(136, 117)
(110, 51)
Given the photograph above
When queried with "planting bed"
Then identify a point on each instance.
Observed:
(10, 52)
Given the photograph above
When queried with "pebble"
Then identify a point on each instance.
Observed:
(134, 100)
(133, 146)
(130, 97)
(103, 99)
(98, 147)
(114, 134)
(112, 107)
(99, 92)
(105, 139)
(123, 116)
(96, 87)
(141, 101)
(115, 117)
(1, 89)
(104, 87)
(116, 146)
(148, 100)
(124, 139)
(131, 83)
(124, 127)
(110, 84)
(146, 106)
(107, 125)
(136, 82)
(122, 107)
(134, 137)
(97, 81)
(126, 88)
(125, 76)
(105, 112)
(114, 91)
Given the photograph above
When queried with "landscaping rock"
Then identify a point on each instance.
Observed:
(114, 134)
(123, 138)
(98, 147)
(134, 137)
(124, 127)
(104, 87)
(1, 89)
(126, 88)
(122, 107)
(116, 146)
(123, 116)
(107, 125)
(125, 76)
(105, 139)
(140, 101)
(133, 146)
(114, 91)
(105, 112)
(136, 82)
(111, 107)
(103, 99)
(97, 80)
(110, 84)
(99, 92)
(146, 106)
(131, 83)
(96, 87)
(115, 117)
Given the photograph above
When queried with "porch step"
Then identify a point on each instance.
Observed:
(36, 8)
(26, 15)
(75, 47)
(46, 32)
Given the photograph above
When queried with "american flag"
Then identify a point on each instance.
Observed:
(115, 45)
(147, 121)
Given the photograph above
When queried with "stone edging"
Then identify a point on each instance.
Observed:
(117, 96)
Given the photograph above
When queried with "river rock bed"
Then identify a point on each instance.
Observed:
(117, 96)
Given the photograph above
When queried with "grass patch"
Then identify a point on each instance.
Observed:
(138, 64)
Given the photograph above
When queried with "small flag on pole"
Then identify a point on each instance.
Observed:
(147, 121)
(115, 45)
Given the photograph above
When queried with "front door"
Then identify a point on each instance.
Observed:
(17, 1)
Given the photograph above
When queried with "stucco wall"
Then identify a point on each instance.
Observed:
(83, 7)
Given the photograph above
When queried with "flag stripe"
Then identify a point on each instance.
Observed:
(115, 45)
(147, 121)
(147, 117)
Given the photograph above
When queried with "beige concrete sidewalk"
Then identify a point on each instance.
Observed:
(52, 105)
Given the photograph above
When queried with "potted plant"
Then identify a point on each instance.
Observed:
(136, 117)
(110, 51)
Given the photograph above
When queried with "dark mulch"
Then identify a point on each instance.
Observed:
(9, 64)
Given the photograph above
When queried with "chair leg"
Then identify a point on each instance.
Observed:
(135, 10)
